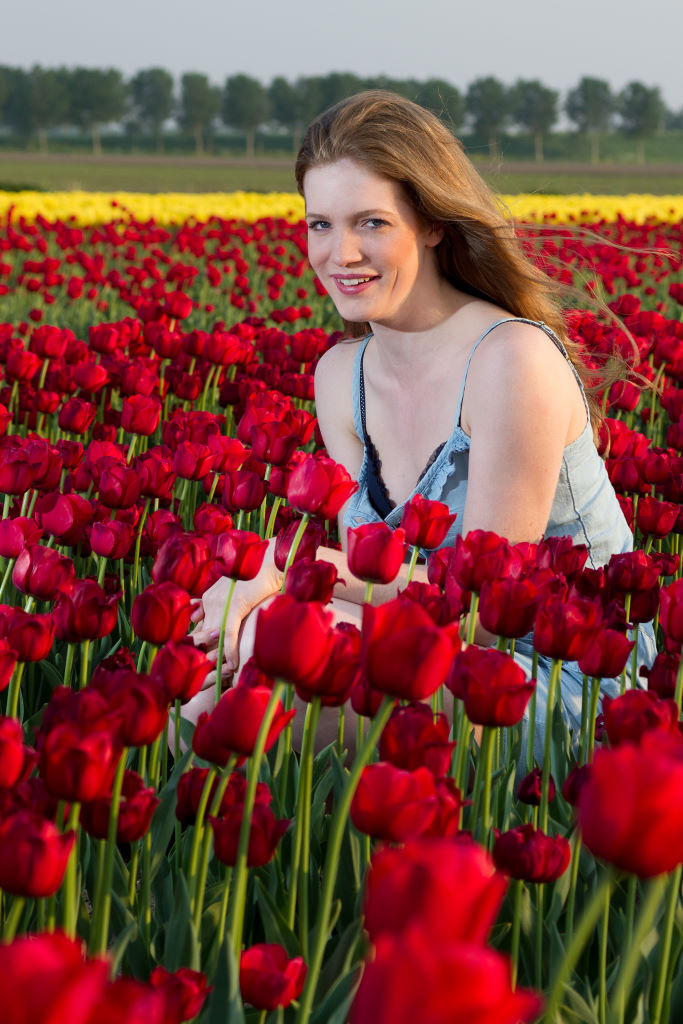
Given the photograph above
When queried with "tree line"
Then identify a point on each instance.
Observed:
(34, 102)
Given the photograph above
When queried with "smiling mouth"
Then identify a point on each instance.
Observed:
(354, 282)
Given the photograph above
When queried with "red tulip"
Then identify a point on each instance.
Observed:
(321, 486)
(184, 992)
(671, 611)
(393, 804)
(339, 673)
(409, 979)
(269, 978)
(607, 654)
(239, 553)
(140, 414)
(233, 725)
(292, 639)
(527, 853)
(630, 810)
(29, 635)
(448, 886)
(637, 711)
(483, 555)
(426, 523)
(16, 533)
(311, 581)
(84, 612)
(310, 541)
(140, 704)
(375, 552)
(41, 572)
(46, 977)
(183, 559)
(135, 811)
(182, 668)
(33, 855)
(403, 653)
(492, 686)
(78, 761)
(507, 607)
(161, 613)
(529, 791)
(265, 833)
(112, 538)
(415, 737)
(565, 629)
(16, 759)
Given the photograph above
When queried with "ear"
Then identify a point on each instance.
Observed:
(435, 234)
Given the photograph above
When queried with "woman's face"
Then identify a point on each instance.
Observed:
(369, 248)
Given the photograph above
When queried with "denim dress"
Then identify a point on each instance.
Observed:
(584, 508)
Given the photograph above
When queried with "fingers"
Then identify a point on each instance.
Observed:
(205, 636)
(198, 611)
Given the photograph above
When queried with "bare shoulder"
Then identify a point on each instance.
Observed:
(334, 404)
(519, 361)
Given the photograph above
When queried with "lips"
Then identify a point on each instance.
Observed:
(354, 285)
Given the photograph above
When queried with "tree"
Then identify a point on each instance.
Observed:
(486, 102)
(590, 106)
(96, 96)
(338, 86)
(152, 95)
(534, 108)
(200, 103)
(641, 110)
(286, 107)
(36, 100)
(245, 105)
(444, 100)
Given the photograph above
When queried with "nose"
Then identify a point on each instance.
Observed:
(347, 248)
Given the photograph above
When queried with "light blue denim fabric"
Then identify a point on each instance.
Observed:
(584, 508)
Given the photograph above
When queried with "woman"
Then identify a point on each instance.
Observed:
(464, 387)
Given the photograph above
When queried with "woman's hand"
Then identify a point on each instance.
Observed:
(247, 594)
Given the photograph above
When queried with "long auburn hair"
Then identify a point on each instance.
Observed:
(480, 253)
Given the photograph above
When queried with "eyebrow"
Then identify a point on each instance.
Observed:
(359, 213)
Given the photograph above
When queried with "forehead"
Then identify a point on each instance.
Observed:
(350, 184)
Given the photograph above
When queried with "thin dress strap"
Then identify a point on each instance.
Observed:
(522, 320)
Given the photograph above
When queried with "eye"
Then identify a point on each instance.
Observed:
(318, 225)
(375, 222)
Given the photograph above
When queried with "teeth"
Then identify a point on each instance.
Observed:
(351, 281)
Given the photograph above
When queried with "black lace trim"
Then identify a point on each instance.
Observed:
(377, 489)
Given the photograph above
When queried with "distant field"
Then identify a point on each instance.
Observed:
(188, 174)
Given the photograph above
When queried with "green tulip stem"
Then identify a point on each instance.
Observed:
(71, 894)
(13, 918)
(239, 887)
(303, 820)
(414, 555)
(69, 663)
(291, 555)
(472, 617)
(131, 448)
(462, 748)
(602, 947)
(197, 834)
(85, 652)
(200, 883)
(332, 856)
(264, 503)
(584, 930)
(553, 683)
(595, 694)
(516, 926)
(369, 587)
(481, 811)
(661, 978)
(138, 542)
(6, 577)
(574, 877)
(270, 528)
(13, 691)
(632, 954)
(221, 641)
(104, 880)
(531, 732)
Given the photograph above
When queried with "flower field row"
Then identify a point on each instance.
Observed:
(173, 208)
(157, 433)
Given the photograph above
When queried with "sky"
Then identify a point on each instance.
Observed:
(557, 43)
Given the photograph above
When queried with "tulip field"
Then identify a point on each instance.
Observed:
(157, 431)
